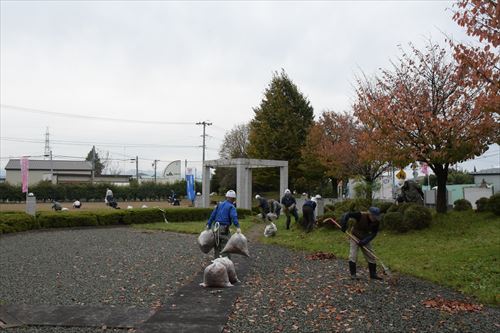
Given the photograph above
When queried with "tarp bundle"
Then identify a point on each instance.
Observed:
(237, 244)
(231, 271)
(270, 230)
(206, 241)
(216, 276)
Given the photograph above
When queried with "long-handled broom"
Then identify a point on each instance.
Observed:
(386, 269)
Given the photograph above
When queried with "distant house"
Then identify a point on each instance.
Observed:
(59, 172)
(488, 176)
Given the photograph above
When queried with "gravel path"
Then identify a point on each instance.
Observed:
(287, 292)
(283, 292)
(105, 266)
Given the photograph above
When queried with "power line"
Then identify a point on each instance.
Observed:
(81, 116)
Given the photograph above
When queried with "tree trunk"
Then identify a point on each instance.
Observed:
(441, 172)
(335, 193)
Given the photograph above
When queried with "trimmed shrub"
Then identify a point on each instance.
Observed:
(329, 208)
(66, 219)
(111, 217)
(16, 222)
(417, 217)
(482, 204)
(462, 205)
(143, 215)
(351, 205)
(383, 205)
(494, 204)
(401, 207)
(327, 225)
(392, 221)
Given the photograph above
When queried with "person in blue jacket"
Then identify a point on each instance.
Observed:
(365, 229)
(223, 215)
(308, 213)
(290, 207)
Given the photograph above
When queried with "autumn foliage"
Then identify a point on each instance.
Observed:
(426, 109)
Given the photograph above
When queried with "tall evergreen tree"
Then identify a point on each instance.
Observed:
(280, 127)
(99, 165)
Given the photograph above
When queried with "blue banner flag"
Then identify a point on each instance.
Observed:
(190, 187)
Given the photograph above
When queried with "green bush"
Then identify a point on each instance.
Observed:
(462, 205)
(494, 203)
(66, 219)
(383, 205)
(327, 225)
(401, 207)
(351, 205)
(329, 208)
(392, 221)
(482, 204)
(417, 217)
(111, 217)
(16, 222)
(143, 215)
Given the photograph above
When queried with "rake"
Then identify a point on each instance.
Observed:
(386, 269)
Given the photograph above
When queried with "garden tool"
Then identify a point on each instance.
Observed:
(370, 252)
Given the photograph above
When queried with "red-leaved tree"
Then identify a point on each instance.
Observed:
(425, 109)
(339, 142)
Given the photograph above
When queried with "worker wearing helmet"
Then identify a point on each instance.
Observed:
(263, 206)
(223, 215)
(289, 207)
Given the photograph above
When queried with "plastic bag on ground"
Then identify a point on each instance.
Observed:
(231, 271)
(270, 230)
(215, 276)
(237, 244)
(206, 241)
(271, 216)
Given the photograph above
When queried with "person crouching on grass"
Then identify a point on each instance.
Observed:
(224, 214)
(365, 228)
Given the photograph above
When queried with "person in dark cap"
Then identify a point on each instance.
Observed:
(365, 228)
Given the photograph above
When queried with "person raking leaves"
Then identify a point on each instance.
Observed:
(222, 216)
(365, 229)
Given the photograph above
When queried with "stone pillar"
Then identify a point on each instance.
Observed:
(205, 186)
(320, 207)
(31, 205)
(241, 186)
(248, 202)
(283, 180)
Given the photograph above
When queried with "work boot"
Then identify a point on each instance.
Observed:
(352, 270)
(287, 224)
(373, 271)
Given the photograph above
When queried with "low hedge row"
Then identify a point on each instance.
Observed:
(16, 221)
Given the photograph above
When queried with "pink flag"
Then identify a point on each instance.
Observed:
(24, 173)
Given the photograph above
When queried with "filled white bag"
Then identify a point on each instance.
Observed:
(231, 271)
(271, 216)
(270, 230)
(206, 240)
(237, 244)
(215, 276)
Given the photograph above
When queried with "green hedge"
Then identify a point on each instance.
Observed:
(16, 221)
(405, 217)
(462, 205)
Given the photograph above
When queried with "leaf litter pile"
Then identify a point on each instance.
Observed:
(288, 291)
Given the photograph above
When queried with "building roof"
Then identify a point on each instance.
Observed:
(492, 171)
(60, 165)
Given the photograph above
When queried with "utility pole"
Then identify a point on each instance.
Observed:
(205, 124)
(154, 165)
(51, 169)
(137, 168)
(47, 144)
(93, 164)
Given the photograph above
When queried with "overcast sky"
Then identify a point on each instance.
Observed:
(162, 62)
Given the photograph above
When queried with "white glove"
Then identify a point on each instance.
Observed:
(238, 231)
(208, 228)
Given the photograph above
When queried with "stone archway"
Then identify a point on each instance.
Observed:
(244, 168)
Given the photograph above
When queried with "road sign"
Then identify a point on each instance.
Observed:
(401, 174)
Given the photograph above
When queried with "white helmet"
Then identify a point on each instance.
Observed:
(231, 194)
(257, 197)
(287, 191)
(317, 196)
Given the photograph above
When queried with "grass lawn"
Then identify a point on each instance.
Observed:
(191, 227)
(460, 250)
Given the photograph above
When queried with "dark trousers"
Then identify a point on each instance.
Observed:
(221, 238)
(308, 216)
(289, 212)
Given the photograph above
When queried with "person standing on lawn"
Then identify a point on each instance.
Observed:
(263, 206)
(274, 207)
(308, 213)
(223, 215)
(365, 229)
(289, 207)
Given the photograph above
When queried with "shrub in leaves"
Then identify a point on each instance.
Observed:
(417, 217)
(482, 204)
(494, 204)
(462, 205)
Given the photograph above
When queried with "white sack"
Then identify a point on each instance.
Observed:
(231, 271)
(270, 230)
(237, 244)
(206, 241)
(215, 275)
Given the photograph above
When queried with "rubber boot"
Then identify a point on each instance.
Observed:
(352, 270)
(373, 271)
(287, 223)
